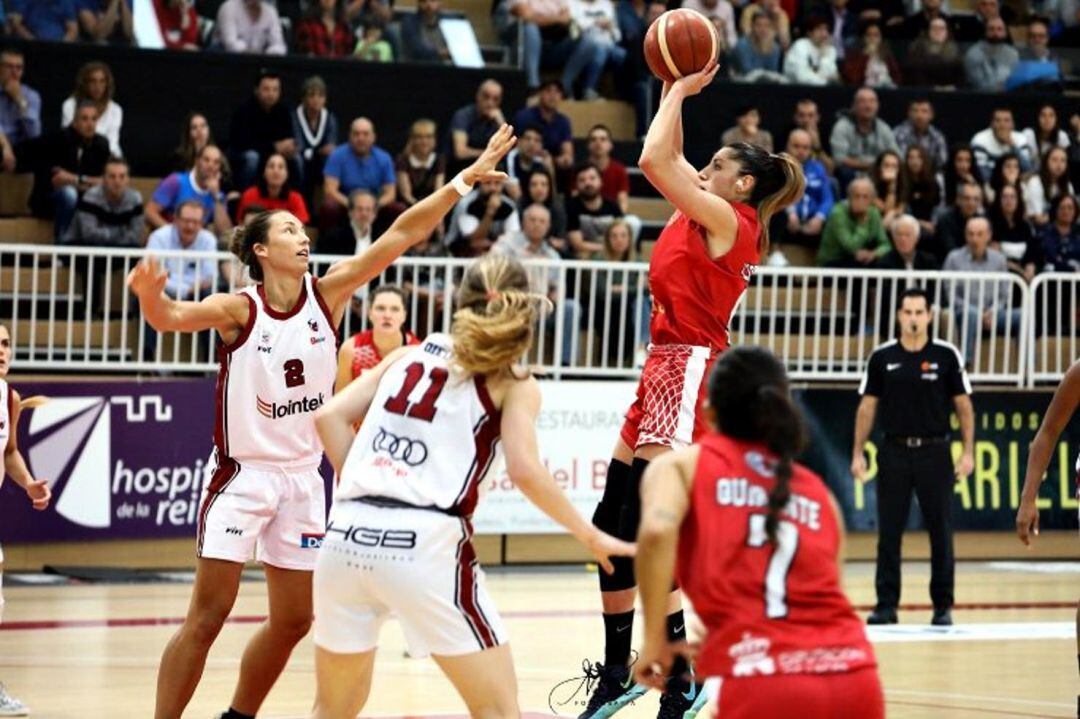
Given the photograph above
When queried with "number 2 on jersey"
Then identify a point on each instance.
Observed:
(783, 554)
(424, 409)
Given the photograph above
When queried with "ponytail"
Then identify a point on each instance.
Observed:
(782, 430)
(778, 182)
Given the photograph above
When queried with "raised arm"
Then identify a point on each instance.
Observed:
(228, 314)
(665, 497)
(667, 169)
(412, 226)
(520, 410)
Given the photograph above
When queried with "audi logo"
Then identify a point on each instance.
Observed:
(412, 452)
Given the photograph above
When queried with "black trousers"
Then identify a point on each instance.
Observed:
(928, 471)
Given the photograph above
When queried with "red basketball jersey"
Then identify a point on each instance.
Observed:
(770, 609)
(694, 295)
(366, 354)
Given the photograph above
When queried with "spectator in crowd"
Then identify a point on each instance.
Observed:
(989, 62)
(771, 9)
(1013, 234)
(588, 214)
(473, 125)
(1050, 182)
(71, 162)
(1006, 172)
(273, 191)
(530, 243)
(626, 316)
(195, 136)
(972, 27)
(107, 21)
(598, 47)
(919, 189)
(1037, 48)
(949, 230)
(421, 37)
(748, 129)
(250, 26)
(905, 253)
(843, 23)
(109, 214)
(979, 306)
(615, 180)
(20, 105)
(854, 235)
(555, 129)
(918, 129)
(756, 57)
(361, 13)
(421, 169)
(187, 279)
(539, 189)
(529, 153)
(7, 154)
(260, 126)
(480, 218)
(803, 222)
(934, 59)
(355, 236)
(324, 32)
(998, 139)
(202, 182)
(919, 23)
(871, 63)
(722, 15)
(372, 46)
(961, 168)
(1061, 238)
(359, 163)
(812, 58)
(634, 81)
(1046, 133)
(52, 20)
(94, 83)
(315, 133)
(888, 188)
(179, 24)
(545, 33)
(808, 117)
(859, 137)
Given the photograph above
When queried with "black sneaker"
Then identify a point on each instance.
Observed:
(942, 618)
(611, 683)
(678, 698)
(882, 615)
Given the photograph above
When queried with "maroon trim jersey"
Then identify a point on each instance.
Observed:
(770, 609)
(694, 295)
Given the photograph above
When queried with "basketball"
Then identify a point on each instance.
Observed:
(680, 43)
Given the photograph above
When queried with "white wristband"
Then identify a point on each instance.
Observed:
(459, 184)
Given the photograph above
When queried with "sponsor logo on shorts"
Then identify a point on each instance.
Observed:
(373, 537)
(274, 410)
(412, 452)
(311, 541)
(751, 655)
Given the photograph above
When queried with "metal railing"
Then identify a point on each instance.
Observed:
(1054, 318)
(69, 309)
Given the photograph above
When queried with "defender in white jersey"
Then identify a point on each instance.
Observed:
(278, 355)
(37, 491)
(436, 419)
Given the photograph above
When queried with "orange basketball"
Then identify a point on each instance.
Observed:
(679, 43)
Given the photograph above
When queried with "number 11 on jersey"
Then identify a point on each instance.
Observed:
(425, 409)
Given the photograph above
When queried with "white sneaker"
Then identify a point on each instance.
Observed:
(10, 706)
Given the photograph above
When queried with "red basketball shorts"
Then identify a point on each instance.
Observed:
(847, 695)
(667, 410)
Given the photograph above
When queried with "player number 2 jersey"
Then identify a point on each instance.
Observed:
(430, 437)
(770, 609)
(272, 379)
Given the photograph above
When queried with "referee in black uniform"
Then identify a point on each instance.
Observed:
(916, 379)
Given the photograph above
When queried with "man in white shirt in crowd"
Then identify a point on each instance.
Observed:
(812, 58)
(1000, 138)
(250, 26)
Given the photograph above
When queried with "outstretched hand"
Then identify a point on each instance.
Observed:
(147, 279)
(484, 166)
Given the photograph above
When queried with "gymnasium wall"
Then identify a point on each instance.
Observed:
(127, 459)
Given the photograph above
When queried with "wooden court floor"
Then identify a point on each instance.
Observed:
(91, 651)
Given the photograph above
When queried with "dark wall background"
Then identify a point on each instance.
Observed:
(157, 88)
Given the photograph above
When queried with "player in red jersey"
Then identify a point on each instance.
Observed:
(366, 349)
(755, 540)
(700, 268)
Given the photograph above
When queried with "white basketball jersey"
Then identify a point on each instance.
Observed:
(430, 437)
(6, 413)
(272, 379)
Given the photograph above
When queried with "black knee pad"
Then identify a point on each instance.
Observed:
(631, 514)
(608, 512)
(620, 579)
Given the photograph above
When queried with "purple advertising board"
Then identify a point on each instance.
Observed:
(124, 460)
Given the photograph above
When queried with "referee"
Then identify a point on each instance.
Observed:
(915, 379)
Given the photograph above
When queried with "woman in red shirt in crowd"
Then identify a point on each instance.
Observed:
(179, 24)
(272, 191)
(366, 349)
(324, 32)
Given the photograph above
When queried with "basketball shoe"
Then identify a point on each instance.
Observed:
(10, 706)
(611, 683)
